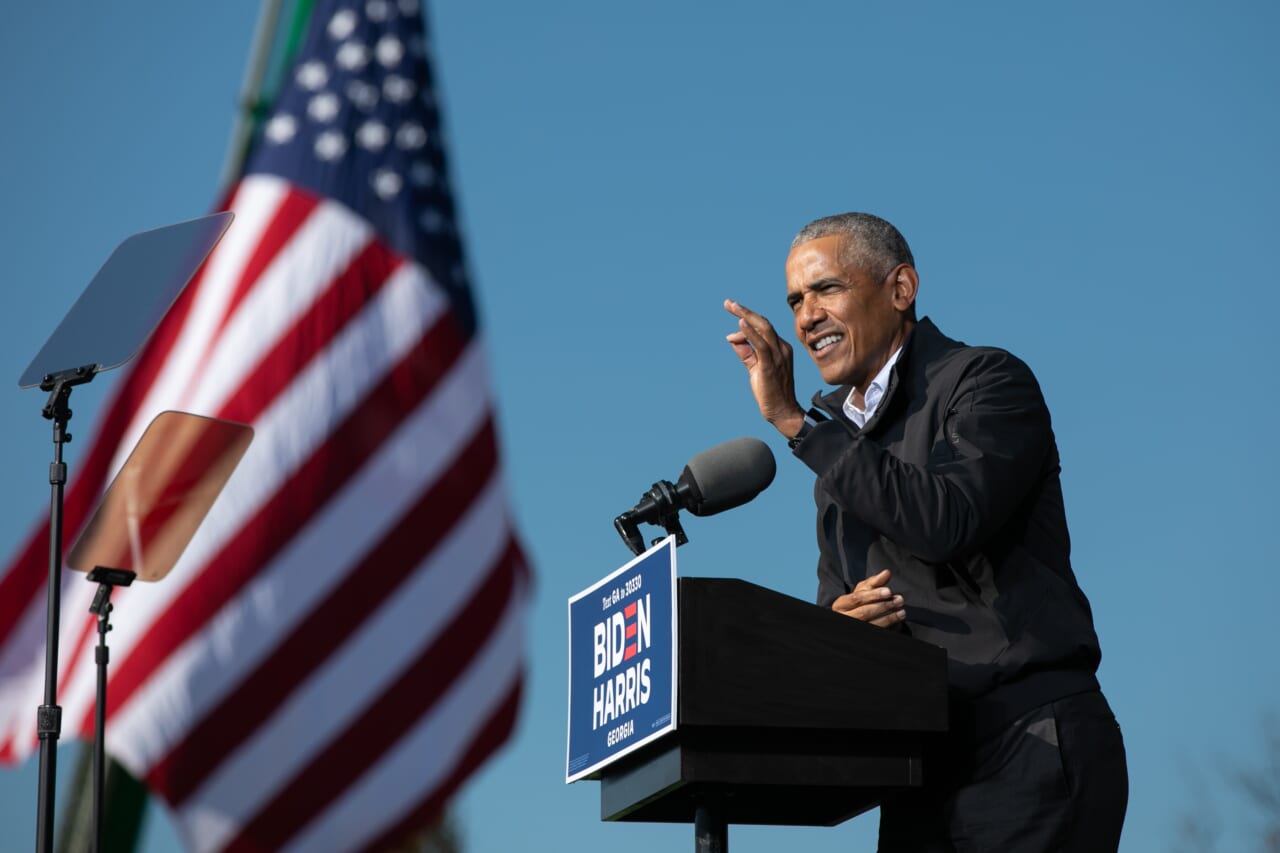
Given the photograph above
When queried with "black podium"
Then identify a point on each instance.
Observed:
(787, 714)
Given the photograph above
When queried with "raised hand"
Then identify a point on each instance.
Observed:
(768, 360)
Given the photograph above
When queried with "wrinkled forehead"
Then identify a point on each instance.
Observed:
(819, 259)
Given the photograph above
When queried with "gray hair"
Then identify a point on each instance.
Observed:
(873, 243)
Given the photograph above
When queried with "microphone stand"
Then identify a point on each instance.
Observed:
(49, 715)
(665, 502)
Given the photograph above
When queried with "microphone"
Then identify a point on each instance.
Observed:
(723, 477)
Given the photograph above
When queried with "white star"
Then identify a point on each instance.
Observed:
(363, 95)
(281, 128)
(410, 136)
(372, 135)
(389, 50)
(387, 184)
(399, 90)
(323, 107)
(353, 56)
(342, 24)
(377, 10)
(421, 174)
(330, 145)
(312, 75)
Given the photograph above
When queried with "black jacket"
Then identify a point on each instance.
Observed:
(953, 485)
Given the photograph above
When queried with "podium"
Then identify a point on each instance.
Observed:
(787, 714)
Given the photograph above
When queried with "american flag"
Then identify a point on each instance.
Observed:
(337, 649)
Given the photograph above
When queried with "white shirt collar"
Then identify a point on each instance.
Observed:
(873, 395)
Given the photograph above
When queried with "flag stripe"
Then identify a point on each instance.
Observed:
(293, 211)
(497, 728)
(423, 758)
(354, 287)
(304, 268)
(406, 299)
(285, 589)
(23, 585)
(20, 585)
(316, 481)
(273, 448)
(390, 716)
(341, 612)
(370, 659)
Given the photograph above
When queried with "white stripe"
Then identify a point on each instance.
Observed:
(28, 685)
(212, 662)
(22, 677)
(422, 760)
(299, 274)
(289, 431)
(256, 202)
(339, 692)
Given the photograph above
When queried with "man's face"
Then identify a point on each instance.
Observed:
(849, 319)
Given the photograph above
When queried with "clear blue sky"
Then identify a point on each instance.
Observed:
(1092, 186)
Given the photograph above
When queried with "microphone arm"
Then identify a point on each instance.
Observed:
(726, 476)
(661, 506)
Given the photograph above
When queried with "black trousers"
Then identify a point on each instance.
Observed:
(1054, 780)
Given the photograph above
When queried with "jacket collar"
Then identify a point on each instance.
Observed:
(922, 342)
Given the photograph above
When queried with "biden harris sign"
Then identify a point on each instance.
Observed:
(622, 661)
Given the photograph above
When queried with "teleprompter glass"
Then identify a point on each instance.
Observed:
(127, 298)
(161, 495)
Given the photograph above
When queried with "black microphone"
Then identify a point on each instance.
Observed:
(723, 477)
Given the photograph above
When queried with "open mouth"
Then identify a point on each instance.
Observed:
(825, 341)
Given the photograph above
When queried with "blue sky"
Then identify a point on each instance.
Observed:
(1091, 186)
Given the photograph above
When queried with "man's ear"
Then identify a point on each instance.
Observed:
(905, 284)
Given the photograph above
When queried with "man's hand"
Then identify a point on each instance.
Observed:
(768, 361)
(872, 601)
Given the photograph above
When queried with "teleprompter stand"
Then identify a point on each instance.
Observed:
(141, 527)
(787, 714)
(104, 329)
(107, 580)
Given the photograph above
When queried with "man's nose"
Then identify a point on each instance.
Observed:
(810, 313)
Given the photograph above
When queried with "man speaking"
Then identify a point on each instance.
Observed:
(940, 514)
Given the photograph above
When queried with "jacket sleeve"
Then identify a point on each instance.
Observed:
(987, 458)
(831, 580)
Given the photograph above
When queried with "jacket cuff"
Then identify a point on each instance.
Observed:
(823, 446)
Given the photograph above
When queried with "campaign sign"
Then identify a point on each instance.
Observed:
(622, 661)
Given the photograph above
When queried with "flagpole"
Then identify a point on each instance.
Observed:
(250, 103)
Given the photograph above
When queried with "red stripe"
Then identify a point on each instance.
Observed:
(186, 456)
(287, 218)
(631, 630)
(630, 610)
(496, 730)
(353, 289)
(388, 718)
(305, 339)
(293, 211)
(630, 652)
(26, 576)
(330, 623)
(291, 508)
